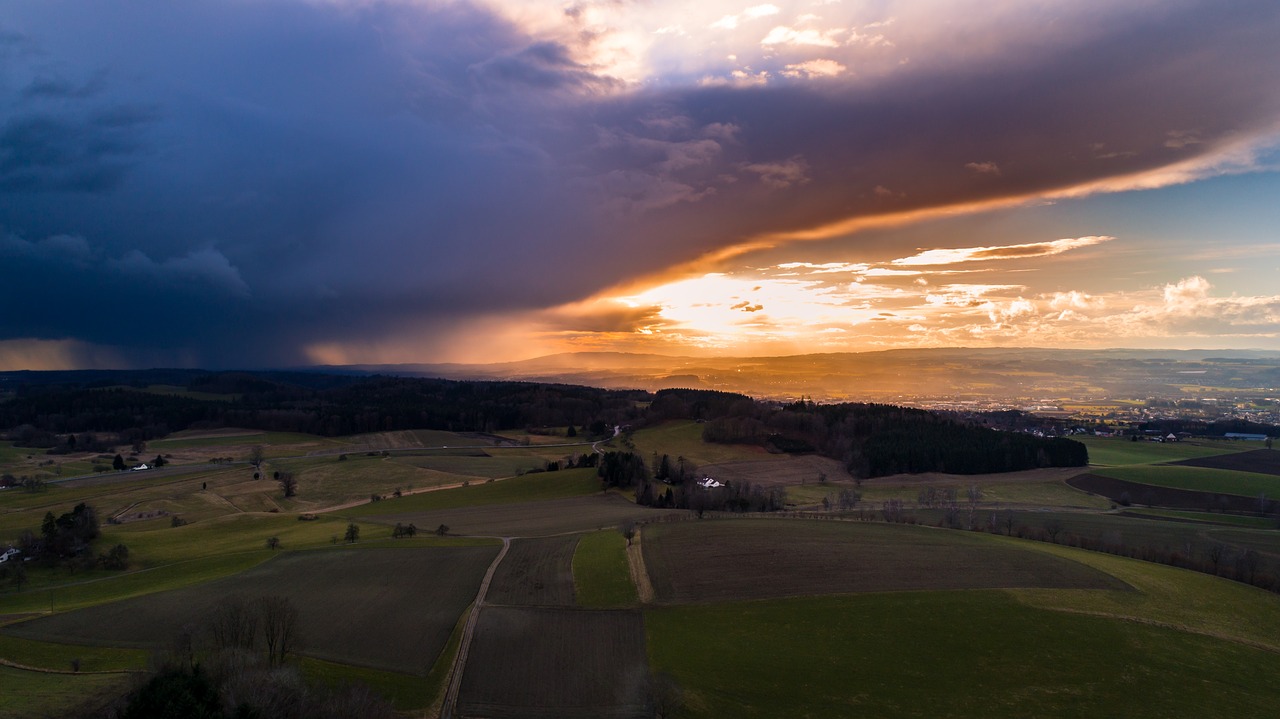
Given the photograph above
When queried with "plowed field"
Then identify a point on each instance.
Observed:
(556, 664)
(761, 559)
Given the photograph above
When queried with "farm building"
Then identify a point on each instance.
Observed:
(709, 483)
(10, 552)
(1246, 436)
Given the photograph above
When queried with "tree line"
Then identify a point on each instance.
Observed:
(874, 440)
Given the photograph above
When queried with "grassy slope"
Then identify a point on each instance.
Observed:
(1176, 597)
(601, 579)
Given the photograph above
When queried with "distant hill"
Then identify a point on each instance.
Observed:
(899, 375)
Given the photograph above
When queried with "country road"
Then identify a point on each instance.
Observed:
(460, 661)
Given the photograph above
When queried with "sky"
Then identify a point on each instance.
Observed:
(277, 183)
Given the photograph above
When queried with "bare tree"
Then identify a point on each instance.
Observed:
(288, 483)
(1010, 520)
(279, 627)
(232, 624)
(256, 456)
(1216, 553)
(974, 495)
(628, 530)
(666, 695)
(1053, 528)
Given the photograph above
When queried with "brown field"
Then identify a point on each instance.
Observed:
(778, 472)
(1262, 461)
(771, 558)
(530, 519)
(535, 572)
(1152, 495)
(386, 608)
(554, 663)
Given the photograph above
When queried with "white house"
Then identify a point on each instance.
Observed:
(10, 552)
(709, 483)
(141, 467)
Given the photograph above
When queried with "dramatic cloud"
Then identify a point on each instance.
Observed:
(1008, 252)
(251, 183)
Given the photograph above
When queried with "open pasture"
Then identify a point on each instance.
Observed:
(726, 560)
(554, 663)
(535, 572)
(948, 654)
(527, 519)
(1259, 461)
(388, 608)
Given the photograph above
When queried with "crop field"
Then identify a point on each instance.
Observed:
(948, 654)
(36, 694)
(528, 488)
(1121, 491)
(1199, 479)
(1114, 451)
(483, 466)
(1036, 487)
(684, 439)
(415, 438)
(1261, 461)
(535, 572)
(759, 559)
(529, 519)
(601, 575)
(786, 471)
(1204, 517)
(552, 663)
(386, 608)
(199, 447)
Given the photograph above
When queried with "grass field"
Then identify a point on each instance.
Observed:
(1114, 451)
(535, 572)
(947, 654)
(1200, 479)
(552, 663)
(684, 439)
(601, 578)
(1175, 597)
(384, 608)
(28, 695)
(529, 519)
(728, 560)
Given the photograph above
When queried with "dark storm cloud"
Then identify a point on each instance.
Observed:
(258, 177)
